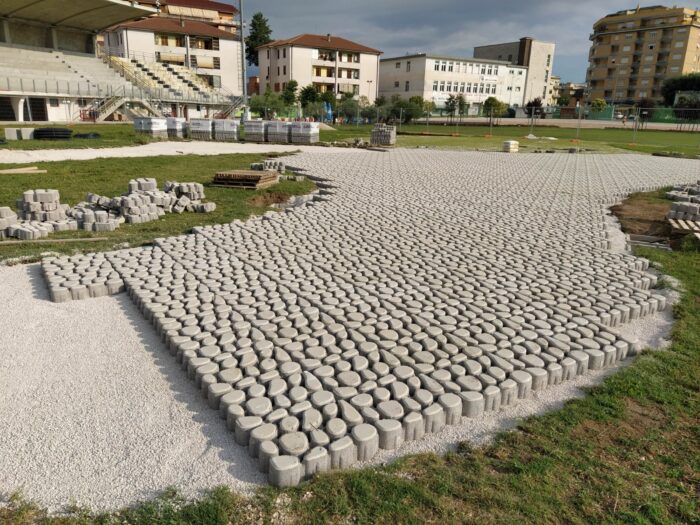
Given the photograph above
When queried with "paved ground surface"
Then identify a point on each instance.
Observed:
(446, 272)
(151, 150)
(559, 123)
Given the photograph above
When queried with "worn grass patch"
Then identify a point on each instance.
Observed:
(110, 177)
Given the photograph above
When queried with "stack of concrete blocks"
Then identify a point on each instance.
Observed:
(176, 127)
(154, 127)
(12, 134)
(40, 205)
(686, 205)
(91, 217)
(225, 130)
(256, 130)
(201, 129)
(511, 146)
(279, 132)
(7, 218)
(383, 135)
(269, 165)
(189, 196)
(305, 132)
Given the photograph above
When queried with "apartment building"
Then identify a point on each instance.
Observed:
(200, 35)
(436, 77)
(537, 56)
(331, 63)
(633, 51)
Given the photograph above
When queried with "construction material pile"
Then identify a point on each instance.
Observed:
(511, 146)
(304, 132)
(225, 130)
(246, 179)
(383, 135)
(177, 127)
(686, 204)
(269, 165)
(278, 131)
(200, 129)
(39, 212)
(155, 127)
(255, 130)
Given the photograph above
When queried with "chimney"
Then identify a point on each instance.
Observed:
(328, 37)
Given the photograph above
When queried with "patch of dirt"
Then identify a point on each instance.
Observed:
(266, 199)
(641, 215)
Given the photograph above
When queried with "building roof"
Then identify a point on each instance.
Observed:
(85, 15)
(178, 26)
(222, 7)
(454, 59)
(331, 42)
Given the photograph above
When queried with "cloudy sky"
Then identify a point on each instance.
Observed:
(450, 27)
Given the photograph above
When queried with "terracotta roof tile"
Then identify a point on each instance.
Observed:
(335, 43)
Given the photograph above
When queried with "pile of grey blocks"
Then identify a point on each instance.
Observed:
(39, 213)
(279, 131)
(269, 165)
(200, 129)
(7, 218)
(225, 130)
(177, 127)
(152, 126)
(686, 205)
(304, 132)
(255, 130)
(383, 135)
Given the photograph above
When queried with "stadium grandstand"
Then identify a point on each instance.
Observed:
(102, 60)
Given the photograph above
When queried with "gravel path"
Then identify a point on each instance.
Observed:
(154, 149)
(461, 254)
(94, 411)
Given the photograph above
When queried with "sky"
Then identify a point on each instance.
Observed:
(453, 27)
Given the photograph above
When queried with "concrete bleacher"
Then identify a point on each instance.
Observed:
(48, 71)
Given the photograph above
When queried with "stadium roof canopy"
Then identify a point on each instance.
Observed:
(85, 15)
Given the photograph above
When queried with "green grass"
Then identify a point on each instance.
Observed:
(629, 452)
(475, 137)
(470, 137)
(111, 136)
(110, 177)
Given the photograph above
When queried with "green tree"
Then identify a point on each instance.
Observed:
(494, 108)
(259, 34)
(534, 107)
(451, 105)
(598, 105)
(690, 82)
(308, 95)
(266, 104)
(564, 99)
(316, 109)
(349, 108)
(380, 101)
(289, 94)
(461, 104)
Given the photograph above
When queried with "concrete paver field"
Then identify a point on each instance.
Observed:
(415, 290)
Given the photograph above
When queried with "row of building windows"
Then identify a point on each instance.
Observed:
(465, 67)
(465, 87)
(196, 42)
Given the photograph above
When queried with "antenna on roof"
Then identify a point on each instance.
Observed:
(328, 36)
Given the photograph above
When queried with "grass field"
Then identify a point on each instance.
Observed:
(110, 177)
(627, 453)
(469, 137)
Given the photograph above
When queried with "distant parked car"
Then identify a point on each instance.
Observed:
(619, 116)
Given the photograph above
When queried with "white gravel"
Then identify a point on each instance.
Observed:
(94, 410)
(156, 149)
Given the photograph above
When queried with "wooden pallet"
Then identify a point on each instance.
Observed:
(684, 226)
(246, 179)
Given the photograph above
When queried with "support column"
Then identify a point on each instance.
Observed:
(6, 31)
(18, 107)
(54, 38)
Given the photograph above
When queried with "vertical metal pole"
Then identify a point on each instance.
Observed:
(578, 123)
(243, 65)
(400, 117)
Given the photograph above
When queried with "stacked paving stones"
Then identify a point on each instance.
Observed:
(415, 290)
(255, 130)
(269, 165)
(278, 131)
(39, 213)
(304, 132)
(225, 130)
(383, 135)
(686, 205)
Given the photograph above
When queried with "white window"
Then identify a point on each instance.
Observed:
(517, 88)
(435, 85)
(490, 70)
(495, 70)
(676, 56)
(408, 66)
(443, 66)
(642, 94)
(493, 89)
(682, 30)
(624, 60)
(437, 65)
(674, 69)
(407, 86)
(461, 87)
(646, 69)
(398, 65)
(626, 48)
(652, 34)
(629, 36)
(469, 87)
(449, 86)
(442, 85)
(481, 88)
(652, 46)
(451, 67)
(648, 58)
(483, 69)
(396, 83)
(679, 44)
(645, 82)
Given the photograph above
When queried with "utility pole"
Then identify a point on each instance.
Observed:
(243, 60)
